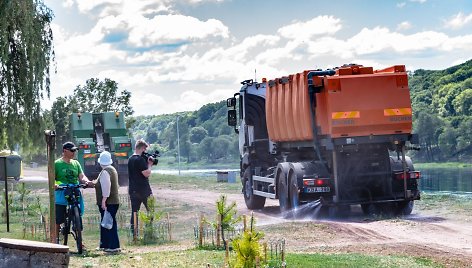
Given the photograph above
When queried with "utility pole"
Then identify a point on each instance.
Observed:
(50, 136)
(178, 142)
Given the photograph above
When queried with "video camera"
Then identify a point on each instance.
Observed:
(152, 156)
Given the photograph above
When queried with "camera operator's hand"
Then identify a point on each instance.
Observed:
(150, 161)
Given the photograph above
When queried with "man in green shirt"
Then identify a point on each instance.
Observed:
(68, 171)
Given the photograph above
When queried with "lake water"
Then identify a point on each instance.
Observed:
(193, 172)
(454, 180)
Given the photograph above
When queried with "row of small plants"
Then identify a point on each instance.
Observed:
(32, 212)
(245, 246)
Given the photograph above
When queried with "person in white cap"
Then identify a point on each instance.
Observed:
(106, 189)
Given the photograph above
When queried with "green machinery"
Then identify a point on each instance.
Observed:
(94, 133)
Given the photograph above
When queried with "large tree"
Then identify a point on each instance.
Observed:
(26, 50)
(100, 96)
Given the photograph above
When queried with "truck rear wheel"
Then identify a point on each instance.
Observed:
(371, 209)
(405, 207)
(282, 190)
(252, 201)
(294, 191)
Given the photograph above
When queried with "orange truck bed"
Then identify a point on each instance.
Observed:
(356, 101)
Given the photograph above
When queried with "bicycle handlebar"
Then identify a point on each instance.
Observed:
(71, 186)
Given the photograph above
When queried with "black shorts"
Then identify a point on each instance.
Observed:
(60, 214)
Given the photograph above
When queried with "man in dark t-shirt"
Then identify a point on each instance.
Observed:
(139, 189)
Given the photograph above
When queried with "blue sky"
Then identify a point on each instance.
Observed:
(177, 55)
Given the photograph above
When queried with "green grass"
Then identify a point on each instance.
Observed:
(453, 202)
(356, 260)
(167, 162)
(201, 258)
(182, 258)
(443, 165)
(193, 182)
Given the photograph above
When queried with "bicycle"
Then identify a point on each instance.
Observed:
(73, 218)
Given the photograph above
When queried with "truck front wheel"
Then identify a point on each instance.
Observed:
(252, 201)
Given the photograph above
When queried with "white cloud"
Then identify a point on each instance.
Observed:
(187, 101)
(401, 4)
(68, 3)
(201, 1)
(174, 28)
(370, 41)
(404, 25)
(458, 21)
(88, 5)
(140, 31)
(419, 1)
(194, 100)
(459, 61)
(317, 26)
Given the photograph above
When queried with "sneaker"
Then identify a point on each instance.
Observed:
(99, 249)
(112, 250)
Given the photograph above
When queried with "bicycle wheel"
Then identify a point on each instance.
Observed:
(65, 230)
(78, 229)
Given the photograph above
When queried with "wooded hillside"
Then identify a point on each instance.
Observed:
(204, 134)
(442, 106)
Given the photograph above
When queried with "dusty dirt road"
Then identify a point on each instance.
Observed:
(438, 234)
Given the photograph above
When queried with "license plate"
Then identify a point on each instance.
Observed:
(86, 151)
(317, 190)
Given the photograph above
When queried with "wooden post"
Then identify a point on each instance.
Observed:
(7, 211)
(244, 223)
(258, 262)
(200, 231)
(265, 252)
(282, 249)
(227, 253)
(51, 145)
(169, 229)
(218, 228)
(141, 229)
(46, 231)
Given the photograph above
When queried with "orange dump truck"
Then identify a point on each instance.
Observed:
(338, 136)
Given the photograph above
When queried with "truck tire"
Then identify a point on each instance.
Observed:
(282, 190)
(252, 201)
(405, 207)
(371, 209)
(294, 191)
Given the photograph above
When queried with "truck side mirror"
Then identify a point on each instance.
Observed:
(232, 119)
(231, 102)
